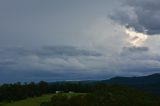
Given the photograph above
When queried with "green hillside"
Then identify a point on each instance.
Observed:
(36, 101)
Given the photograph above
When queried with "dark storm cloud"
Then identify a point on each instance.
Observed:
(147, 4)
(140, 14)
(48, 62)
(49, 51)
(32, 75)
(45, 58)
(6, 62)
(67, 51)
(135, 49)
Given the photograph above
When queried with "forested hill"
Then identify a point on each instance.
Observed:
(150, 79)
(150, 83)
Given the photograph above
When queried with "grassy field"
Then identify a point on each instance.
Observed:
(36, 101)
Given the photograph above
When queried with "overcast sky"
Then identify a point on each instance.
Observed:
(56, 40)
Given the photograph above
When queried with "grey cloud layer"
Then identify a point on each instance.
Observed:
(140, 14)
(95, 48)
(57, 56)
(72, 63)
(54, 62)
(45, 58)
